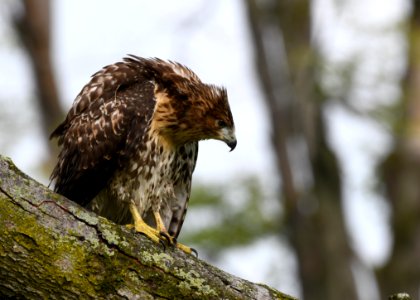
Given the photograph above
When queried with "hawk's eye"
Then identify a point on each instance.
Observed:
(221, 123)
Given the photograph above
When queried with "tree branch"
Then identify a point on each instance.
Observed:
(52, 248)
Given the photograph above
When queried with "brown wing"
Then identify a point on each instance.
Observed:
(110, 114)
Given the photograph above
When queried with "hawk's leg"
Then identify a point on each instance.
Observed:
(142, 227)
(164, 232)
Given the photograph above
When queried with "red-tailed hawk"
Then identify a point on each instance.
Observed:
(130, 143)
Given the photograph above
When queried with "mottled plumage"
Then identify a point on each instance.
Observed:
(131, 137)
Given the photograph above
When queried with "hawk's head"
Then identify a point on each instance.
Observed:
(188, 110)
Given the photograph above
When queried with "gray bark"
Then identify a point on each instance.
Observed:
(52, 248)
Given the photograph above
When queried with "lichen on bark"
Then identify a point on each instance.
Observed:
(52, 248)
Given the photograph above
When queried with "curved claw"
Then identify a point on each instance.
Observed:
(186, 249)
(166, 237)
(161, 242)
(193, 251)
(170, 240)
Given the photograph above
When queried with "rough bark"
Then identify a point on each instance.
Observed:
(52, 248)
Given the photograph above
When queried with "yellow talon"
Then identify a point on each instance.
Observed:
(157, 235)
(171, 240)
(186, 249)
(142, 227)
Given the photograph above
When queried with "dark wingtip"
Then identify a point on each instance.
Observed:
(57, 132)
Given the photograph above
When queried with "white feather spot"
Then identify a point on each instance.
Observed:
(134, 166)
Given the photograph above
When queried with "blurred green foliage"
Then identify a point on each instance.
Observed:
(230, 215)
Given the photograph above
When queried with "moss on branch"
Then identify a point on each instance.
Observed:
(52, 248)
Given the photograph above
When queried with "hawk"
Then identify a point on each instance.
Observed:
(129, 143)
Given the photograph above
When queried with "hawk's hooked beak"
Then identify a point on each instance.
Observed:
(232, 145)
(228, 136)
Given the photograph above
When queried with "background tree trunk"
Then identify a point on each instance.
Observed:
(310, 175)
(401, 175)
(33, 28)
(52, 248)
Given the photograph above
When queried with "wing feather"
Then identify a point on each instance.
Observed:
(95, 133)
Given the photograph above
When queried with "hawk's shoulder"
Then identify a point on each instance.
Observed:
(110, 114)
